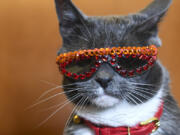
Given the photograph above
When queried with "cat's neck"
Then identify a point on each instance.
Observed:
(123, 114)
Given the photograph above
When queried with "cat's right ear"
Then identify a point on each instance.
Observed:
(151, 16)
(68, 15)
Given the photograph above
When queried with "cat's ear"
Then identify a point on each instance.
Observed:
(68, 15)
(152, 15)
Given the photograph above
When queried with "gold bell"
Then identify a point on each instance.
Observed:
(76, 119)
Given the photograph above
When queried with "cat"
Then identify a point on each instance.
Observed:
(107, 98)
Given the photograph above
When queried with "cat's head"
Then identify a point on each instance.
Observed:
(106, 87)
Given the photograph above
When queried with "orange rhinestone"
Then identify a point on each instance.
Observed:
(86, 53)
(96, 52)
(143, 50)
(67, 56)
(113, 51)
(71, 55)
(75, 52)
(64, 56)
(130, 50)
(153, 49)
(107, 51)
(102, 51)
(152, 46)
(125, 51)
(90, 53)
(119, 50)
(138, 50)
(134, 50)
(81, 52)
(61, 56)
(148, 51)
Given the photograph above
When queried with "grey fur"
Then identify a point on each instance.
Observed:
(81, 32)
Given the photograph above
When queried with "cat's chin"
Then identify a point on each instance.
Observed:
(105, 101)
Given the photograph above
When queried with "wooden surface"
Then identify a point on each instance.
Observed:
(29, 40)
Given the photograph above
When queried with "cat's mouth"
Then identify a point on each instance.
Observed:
(105, 101)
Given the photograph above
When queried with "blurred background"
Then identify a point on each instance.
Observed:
(29, 40)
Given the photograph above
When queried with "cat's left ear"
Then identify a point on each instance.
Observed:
(68, 15)
(151, 17)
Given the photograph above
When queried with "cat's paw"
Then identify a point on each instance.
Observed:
(79, 131)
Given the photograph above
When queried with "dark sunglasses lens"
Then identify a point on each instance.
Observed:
(80, 66)
(129, 65)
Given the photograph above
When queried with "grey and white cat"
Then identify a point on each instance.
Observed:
(108, 98)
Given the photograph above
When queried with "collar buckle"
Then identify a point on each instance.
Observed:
(152, 120)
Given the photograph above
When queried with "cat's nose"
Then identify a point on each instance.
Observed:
(104, 76)
(103, 82)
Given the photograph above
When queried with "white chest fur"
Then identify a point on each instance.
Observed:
(123, 114)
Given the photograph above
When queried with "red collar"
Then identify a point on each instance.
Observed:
(143, 128)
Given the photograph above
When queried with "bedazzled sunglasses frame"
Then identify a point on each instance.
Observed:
(148, 54)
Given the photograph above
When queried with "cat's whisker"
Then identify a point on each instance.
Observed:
(49, 98)
(55, 106)
(82, 104)
(45, 93)
(52, 114)
(142, 84)
(142, 95)
(55, 88)
(72, 112)
(132, 95)
(78, 109)
(146, 93)
(47, 82)
(146, 89)
(86, 103)
(131, 99)
(123, 96)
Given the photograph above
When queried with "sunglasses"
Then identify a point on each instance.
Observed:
(126, 61)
